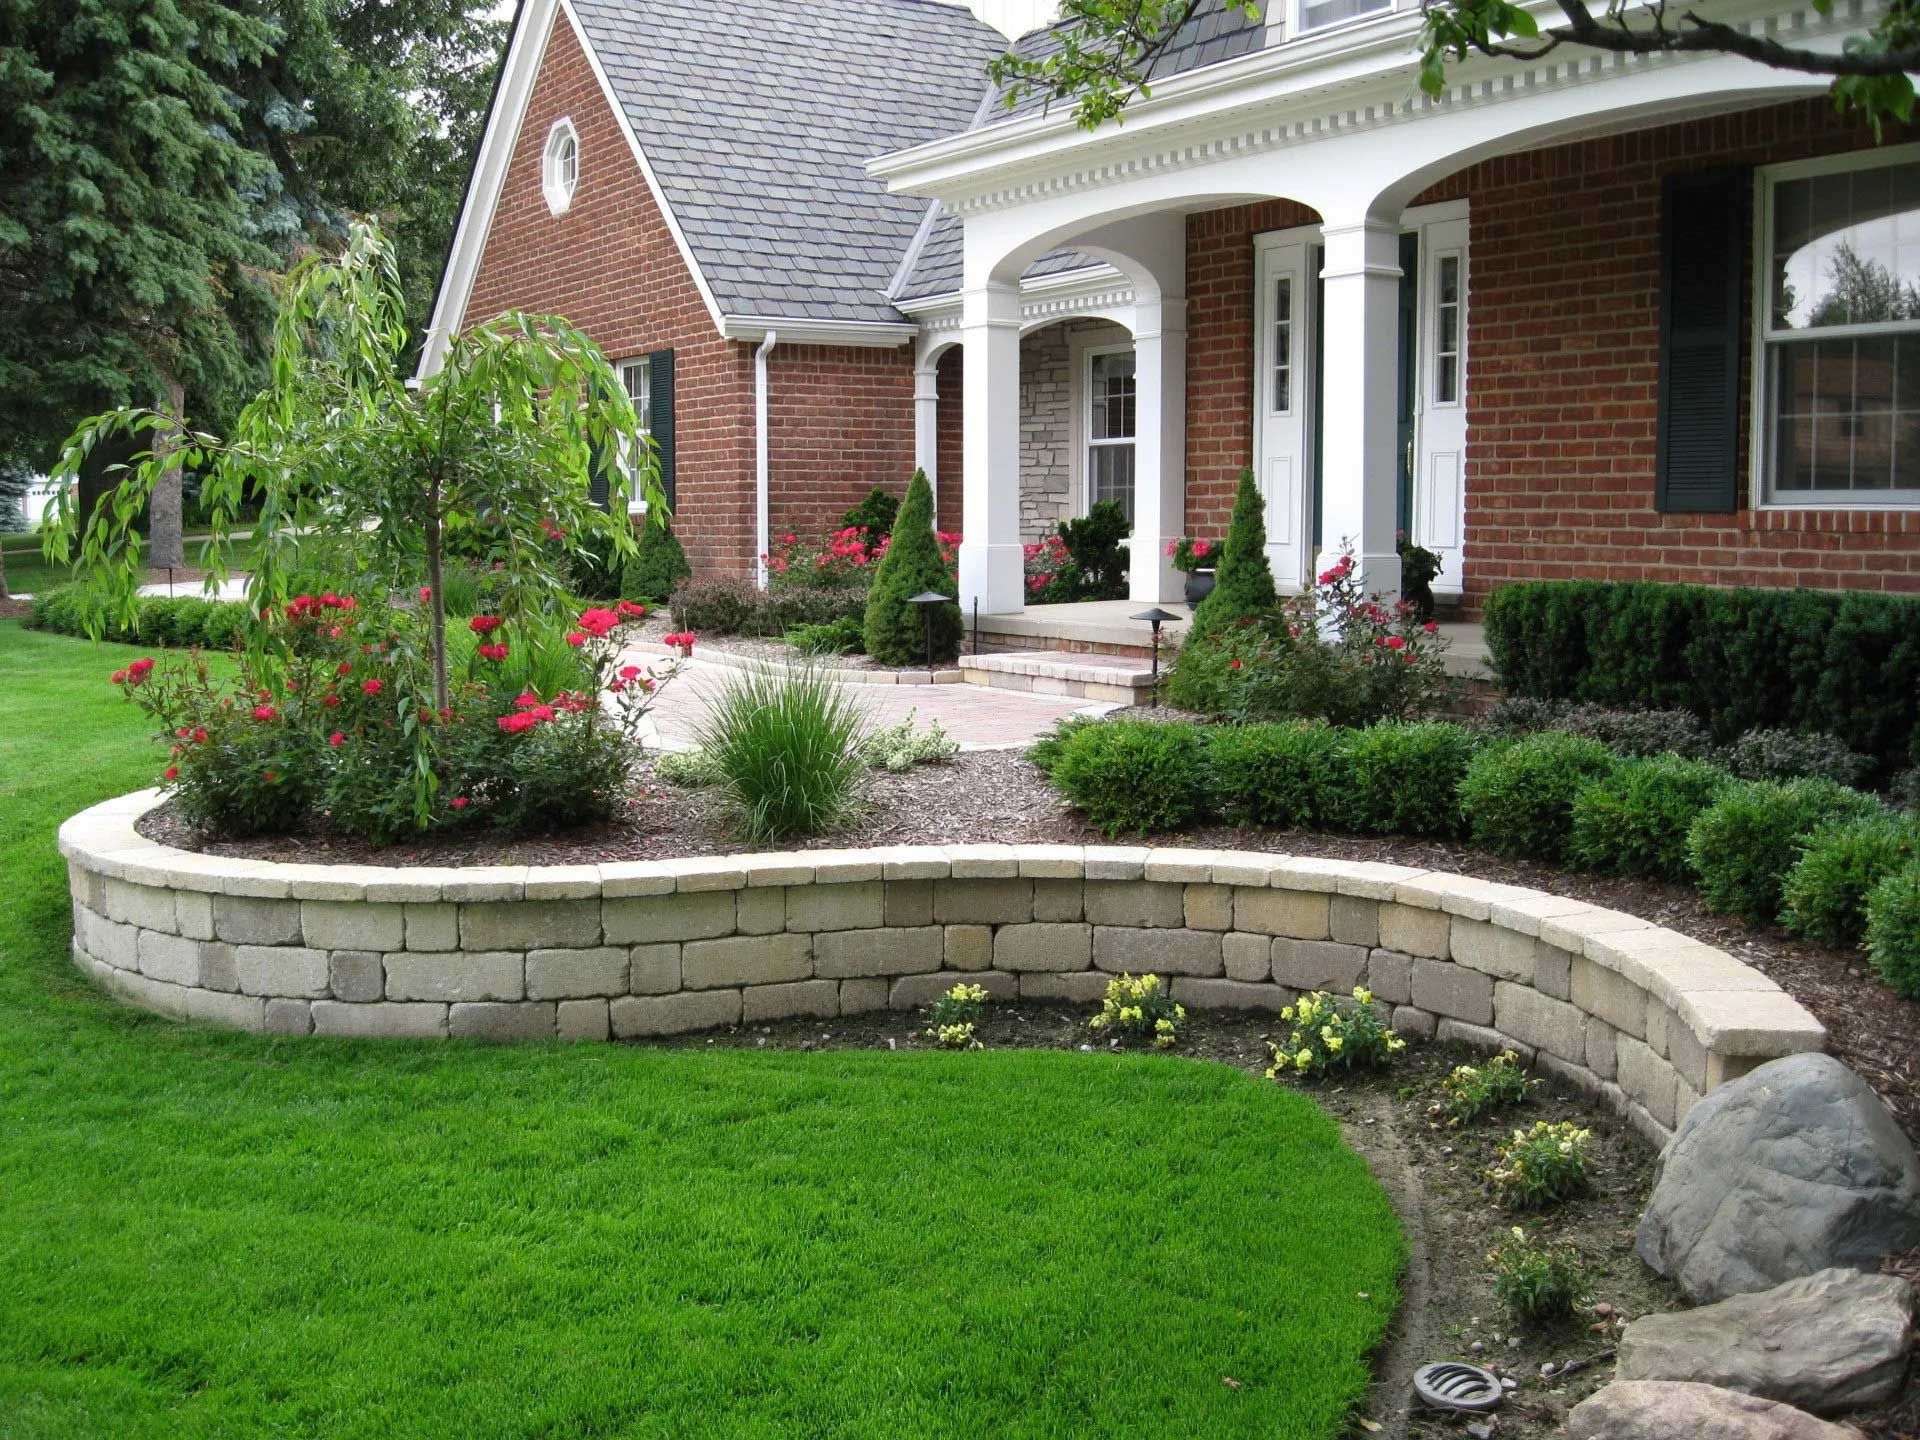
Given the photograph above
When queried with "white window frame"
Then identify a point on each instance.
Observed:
(1297, 27)
(1082, 428)
(1761, 432)
(641, 365)
(555, 184)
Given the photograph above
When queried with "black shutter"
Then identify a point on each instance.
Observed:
(660, 415)
(597, 490)
(1702, 240)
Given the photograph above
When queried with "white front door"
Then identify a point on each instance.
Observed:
(1282, 402)
(1440, 459)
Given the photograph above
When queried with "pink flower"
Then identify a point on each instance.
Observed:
(492, 652)
(629, 672)
(681, 640)
(1202, 549)
(599, 623)
(517, 722)
(119, 677)
(264, 712)
(525, 700)
(460, 802)
(371, 687)
(1233, 664)
(337, 739)
(426, 594)
(1432, 627)
(172, 772)
(576, 638)
(628, 610)
(140, 669)
(1396, 642)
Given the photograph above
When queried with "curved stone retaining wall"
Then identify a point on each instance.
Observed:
(1644, 1016)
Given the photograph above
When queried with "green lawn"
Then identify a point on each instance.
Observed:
(28, 571)
(216, 1235)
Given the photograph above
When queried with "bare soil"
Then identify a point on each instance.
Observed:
(1434, 1174)
(998, 796)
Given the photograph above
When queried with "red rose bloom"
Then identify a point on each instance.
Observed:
(599, 623)
(460, 802)
(517, 722)
(264, 712)
(576, 638)
(336, 739)
(172, 772)
(484, 624)
(371, 687)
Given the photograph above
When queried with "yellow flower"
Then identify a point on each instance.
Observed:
(1363, 995)
(1287, 1013)
(1304, 1059)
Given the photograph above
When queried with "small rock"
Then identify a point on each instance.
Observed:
(1832, 1342)
(1481, 1431)
(1788, 1170)
(1603, 1309)
(1475, 1348)
(1513, 1342)
(1677, 1410)
(1508, 1383)
(1546, 1370)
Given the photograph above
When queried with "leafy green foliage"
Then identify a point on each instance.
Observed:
(1518, 796)
(1635, 820)
(1893, 931)
(1541, 1167)
(1330, 1035)
(1625, 731)
(787, 750)
(657, 568)
(734, 605)
(1824, 896)
(1405, 779)
(1539, 1284)
(1094, 547)
(844, 636)
(1135, 775)
(1794, 755)
(898, 632)
(1743, 846)
(875, 514)
(1282, 777)
(898, 748)
(1243, 584)
(1845, 664)
(1044, 753)
(1470, 1091)
(187, 621)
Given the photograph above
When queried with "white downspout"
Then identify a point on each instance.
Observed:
(762, 535)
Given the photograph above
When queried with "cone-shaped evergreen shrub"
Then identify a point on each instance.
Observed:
(660, 566)
(1243, 585)
(896, 631)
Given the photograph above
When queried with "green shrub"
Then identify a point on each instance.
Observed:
(180, 621)
(1518, 797)
(1639, 733)
(1893, 931)
(1471, 1091)
(1281, 777)
(1539, 1284)
(1043, 754)
(1824, 896)
(1141, 1009)
(898, 748)
(1847, 664)
(787, 750)
(1094, 544)
(845, 636)
(1243, 584)
(1540, 1167)
(1794, 755)
(1405, 779)
(1328, 1035)
(733, 605)
(1634, 821)
(1135, 775)
(658, 569)
(689, 769)
(897, 632)
(1743, 845)
(875, 514)
(594, 569)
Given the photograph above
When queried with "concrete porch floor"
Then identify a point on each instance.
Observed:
(1108, 627)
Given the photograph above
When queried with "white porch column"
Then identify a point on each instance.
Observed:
(1361, 330)
(992, 567)
(926, 427)
(1160, 447)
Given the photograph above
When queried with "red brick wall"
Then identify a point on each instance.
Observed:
(1563, 367)
(841, 417)
(950, 436)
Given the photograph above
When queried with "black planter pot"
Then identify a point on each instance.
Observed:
(1199, 586)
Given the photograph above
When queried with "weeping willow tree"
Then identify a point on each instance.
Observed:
(363, 476)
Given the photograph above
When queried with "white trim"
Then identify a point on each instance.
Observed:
(1763, 336)
(874, 334)
(1298, 30)
(762, 468)
(555, 185)
(640, 365)
(1080, 398)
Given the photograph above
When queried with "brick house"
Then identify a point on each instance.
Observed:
(1589, 316)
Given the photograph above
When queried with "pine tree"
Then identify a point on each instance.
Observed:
(1243, 585)
(896, 632)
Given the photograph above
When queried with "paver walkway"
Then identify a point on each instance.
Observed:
(979, 718)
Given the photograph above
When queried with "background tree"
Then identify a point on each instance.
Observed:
(1105, 58)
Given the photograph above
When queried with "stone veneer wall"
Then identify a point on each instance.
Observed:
(1046, 420)
(1647, 1018)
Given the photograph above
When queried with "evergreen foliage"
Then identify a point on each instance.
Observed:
(658, 568)
(896, 632)
(1243, 585)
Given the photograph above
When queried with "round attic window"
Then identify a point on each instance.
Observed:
(560, 166)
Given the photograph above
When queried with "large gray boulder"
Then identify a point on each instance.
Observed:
(1676, 1410)
(1786, 1171)
(1832, 1342)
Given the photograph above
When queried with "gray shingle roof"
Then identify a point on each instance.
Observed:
(936, 270)
(758, 118)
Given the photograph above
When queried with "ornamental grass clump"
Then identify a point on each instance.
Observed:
(1541, 1167)
(1743, 845)
(1634, 821)
(786, 747)
(1824, 895)
(1471, 1091)
(952, 1018)
(1536, 1283)
(1518, 797)
(1135, 775)
(1893, 931)
(1140, 1009)
(1329, 1035)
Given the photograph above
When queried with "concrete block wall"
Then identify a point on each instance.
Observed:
(1644, 1017)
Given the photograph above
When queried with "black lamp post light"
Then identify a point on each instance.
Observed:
(926, 602)
(1156, 617)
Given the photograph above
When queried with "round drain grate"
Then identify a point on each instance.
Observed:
(1451, 1385)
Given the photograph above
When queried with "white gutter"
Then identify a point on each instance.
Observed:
(762, 536)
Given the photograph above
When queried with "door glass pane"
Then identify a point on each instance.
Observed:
(1283, 345)
(1846, 248)
(1446, 331)
(1112, 393)
(1110, 472)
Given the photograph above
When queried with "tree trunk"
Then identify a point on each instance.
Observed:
(436, 603)
(95, 482)
(166, 546)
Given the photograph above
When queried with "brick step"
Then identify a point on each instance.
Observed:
(1118, 679)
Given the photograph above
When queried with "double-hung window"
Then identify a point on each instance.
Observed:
(1112, 414)
(637, 376)
(1322, 14)
(1837, 397)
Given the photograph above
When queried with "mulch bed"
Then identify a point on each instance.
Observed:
(770, 648)
(15, 609)
(997, 796)
(1435, 1175)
